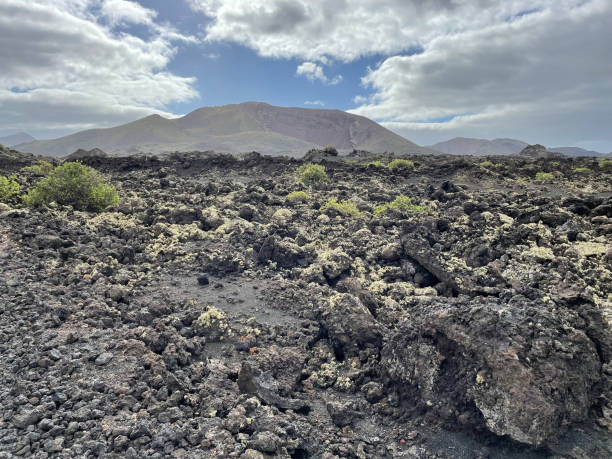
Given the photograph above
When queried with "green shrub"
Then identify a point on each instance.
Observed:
(555, 163)
(544, 176)
(73, 184)
(521, 180)
(376, 164)
(9, 188)
(345, 207)
(43, 168)
(311, 174)
(486, 164)
(605, 162)
(400, 164)
(402, 203)
(297, 196)
(330, 150)
(582, 170)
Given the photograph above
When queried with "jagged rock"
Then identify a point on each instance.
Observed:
(263, 385)
(528, 369)
(349, 325)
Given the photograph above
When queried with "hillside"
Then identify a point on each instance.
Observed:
(16, 139)
(484, 147)
(575, 151)
(250, 126)
(479, 147)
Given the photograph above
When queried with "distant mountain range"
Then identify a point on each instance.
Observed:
(479, 147)
(250, 126)
(484, 147)
(16, 139)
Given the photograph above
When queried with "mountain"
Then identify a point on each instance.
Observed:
(250, 126)
(575, 151)
(479, 147)
(16, 139)
(538, 151)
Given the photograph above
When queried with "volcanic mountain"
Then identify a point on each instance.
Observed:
(479, 147)
(16, 139)
(250, 126)
(484, 147)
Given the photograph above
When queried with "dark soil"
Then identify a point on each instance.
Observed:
(209, 316)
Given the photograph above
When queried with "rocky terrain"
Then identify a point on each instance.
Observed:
(211, 315)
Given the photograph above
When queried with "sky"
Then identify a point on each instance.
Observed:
(534, 70)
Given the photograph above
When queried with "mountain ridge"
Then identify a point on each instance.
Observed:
(16, 139)
(479, 147)
(236, 128)
(501, 146)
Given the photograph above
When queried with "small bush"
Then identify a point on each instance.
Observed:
(330, 150)
(605, 162)
(521, 180)
(73, 184)
(43, 168)
(297, 196)
(544, 176)
(486, 164)
(375, 164)
(9, 188)
(402, 203)
(345, 208)
(582, 170)
(312, 174)
(400, 164)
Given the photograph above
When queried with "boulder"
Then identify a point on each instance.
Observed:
(527, 368)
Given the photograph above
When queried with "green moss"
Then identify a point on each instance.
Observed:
(344, 207)
(73, 184)
(486, 164)
(376, 164)
(400, 164)
(402, 204)
(544, 176)
(521, 180)
(582, 170)
(312, 174)
(297, 196)
(9, 188)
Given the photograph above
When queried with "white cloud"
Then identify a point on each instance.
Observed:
(314, 29)
(118, 11)
(533, 69)
(315, 72)
(64, 63)
(319, 103)
(542, 77)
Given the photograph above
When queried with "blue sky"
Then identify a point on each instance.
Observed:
(534, 70)
(229, 73)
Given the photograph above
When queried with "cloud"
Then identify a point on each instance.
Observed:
(315, 72)
(319, 103)
(524, 68)
(118, 11)
(68, 62)
(315, 29)
(543, 76)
